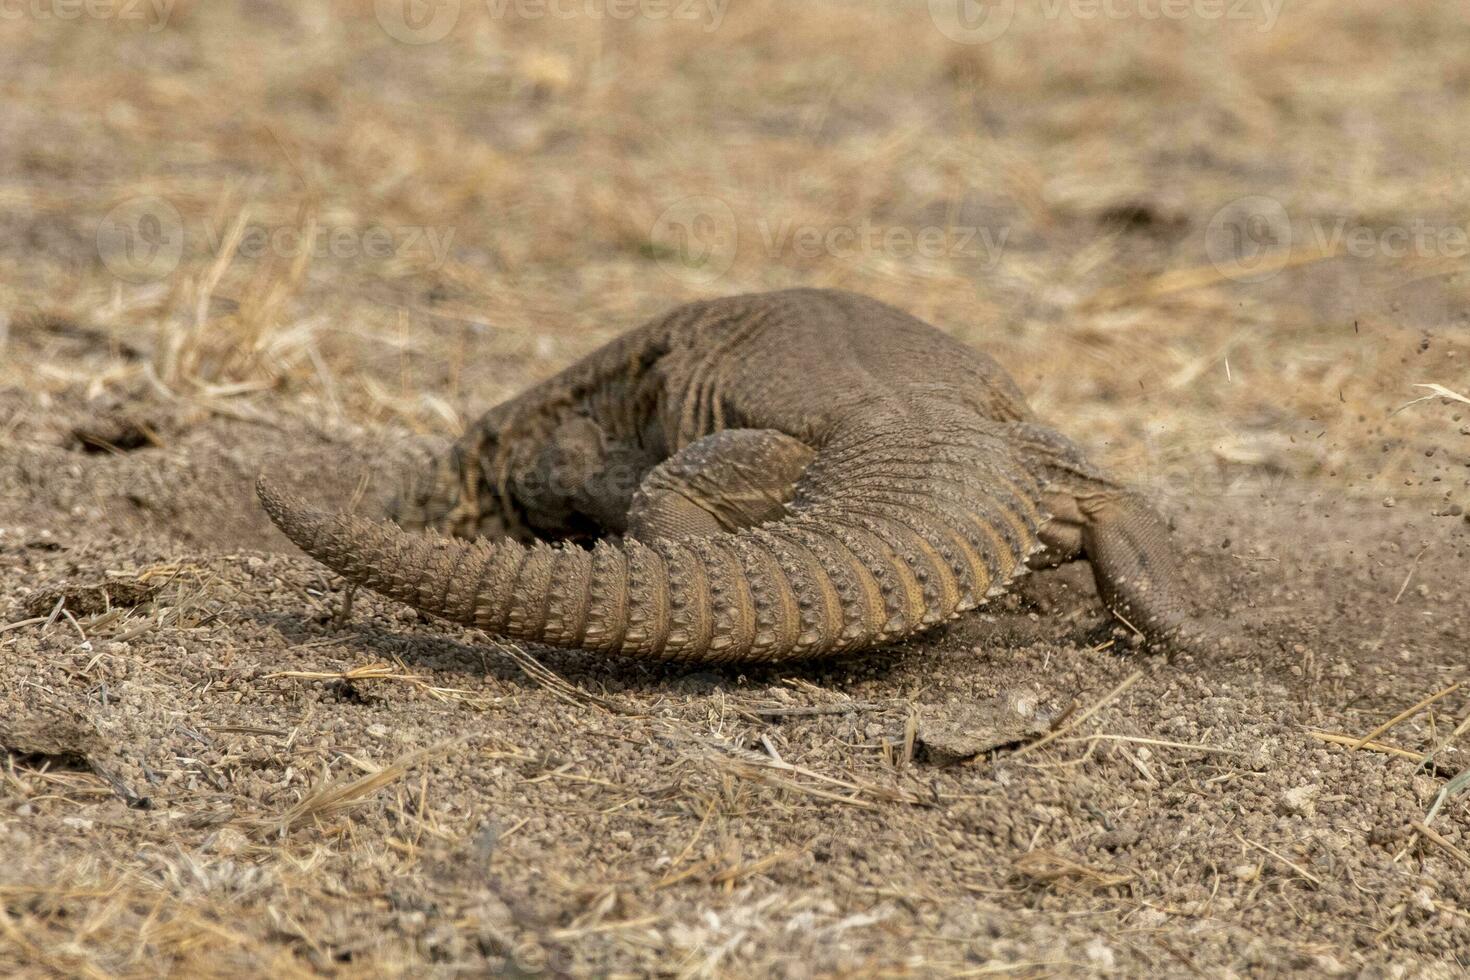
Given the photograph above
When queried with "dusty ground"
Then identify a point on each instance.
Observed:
(210, 767)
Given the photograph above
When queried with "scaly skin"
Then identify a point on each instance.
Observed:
(793, 474)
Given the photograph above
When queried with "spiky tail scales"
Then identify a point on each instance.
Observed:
(876, 549)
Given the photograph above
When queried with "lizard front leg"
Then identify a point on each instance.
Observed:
(732, 479)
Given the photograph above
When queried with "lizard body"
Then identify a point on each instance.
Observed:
(760, 478)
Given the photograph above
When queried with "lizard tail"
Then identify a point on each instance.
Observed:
(879, 544)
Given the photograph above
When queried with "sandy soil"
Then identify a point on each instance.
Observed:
(211, 764)
(199, 778)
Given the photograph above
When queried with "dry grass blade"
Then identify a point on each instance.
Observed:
(1409, 576)
(776, 772)
(1459, 784)
(1437, 838)
(137, 912)
(52, 961)
(766, 775)
(1049, 867)
(562, 935)
(341, 796)
(739, 872)
(385, 672)
(1444, 392)
(1336, 738)
(1158, 742)
(814, 710)
(1460, 729)
(1439, 391)
(1106, 700)
(1406, 714)
(1282, 858)
(367, 672)
(22, 623)
(555, 683)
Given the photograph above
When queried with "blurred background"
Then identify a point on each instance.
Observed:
(1218, 240)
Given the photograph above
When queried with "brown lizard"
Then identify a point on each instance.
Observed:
(757, 478)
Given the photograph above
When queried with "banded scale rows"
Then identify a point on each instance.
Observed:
(875, 550)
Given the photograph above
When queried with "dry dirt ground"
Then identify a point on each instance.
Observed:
(1221, 250)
